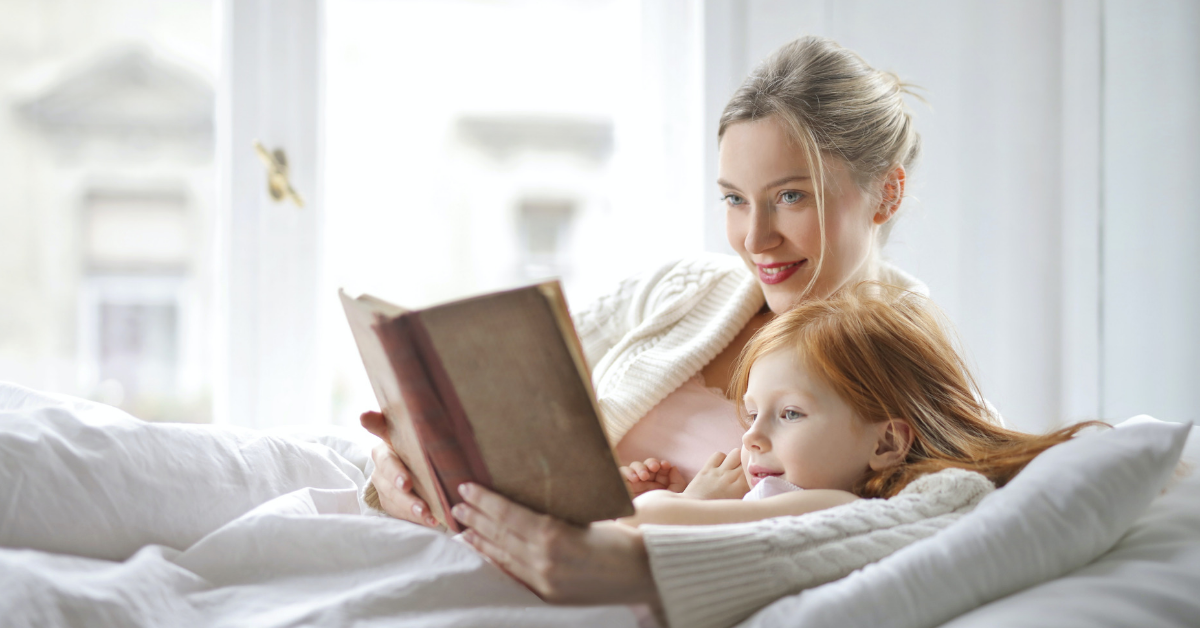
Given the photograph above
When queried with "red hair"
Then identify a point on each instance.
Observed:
(886, 353)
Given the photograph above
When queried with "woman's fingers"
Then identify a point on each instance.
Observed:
(565, 564)
(482, 526)
(499, 519)
(375, 423)
(500, 557)
(393, 484)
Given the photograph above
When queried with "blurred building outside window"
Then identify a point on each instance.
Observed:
(107, 201)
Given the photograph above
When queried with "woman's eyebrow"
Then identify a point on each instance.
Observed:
(788, 179)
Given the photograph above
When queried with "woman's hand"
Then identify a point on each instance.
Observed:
(392, 480)
(721, 478)
(604, 563)
(652, 475)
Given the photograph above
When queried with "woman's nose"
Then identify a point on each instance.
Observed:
(761, 236)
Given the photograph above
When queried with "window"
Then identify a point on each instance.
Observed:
(107, 202)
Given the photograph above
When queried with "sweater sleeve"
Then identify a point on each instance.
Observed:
(716, 576)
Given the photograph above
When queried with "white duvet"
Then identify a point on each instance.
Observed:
(109, 521)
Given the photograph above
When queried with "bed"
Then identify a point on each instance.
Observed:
(106, 520)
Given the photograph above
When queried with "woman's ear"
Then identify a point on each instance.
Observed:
(895, 436)
(893, 195)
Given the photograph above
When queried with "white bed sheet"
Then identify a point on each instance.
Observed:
(109, 521)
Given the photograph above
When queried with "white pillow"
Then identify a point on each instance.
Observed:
(1149, 578)
(83, 478)
(1070, 505)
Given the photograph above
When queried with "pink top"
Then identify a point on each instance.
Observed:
(685, 428)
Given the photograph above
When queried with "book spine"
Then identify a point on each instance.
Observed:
(425, 410)
(456, 416)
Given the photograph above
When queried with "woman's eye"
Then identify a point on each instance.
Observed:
(790, 197)
(793, 415)
(733, 199)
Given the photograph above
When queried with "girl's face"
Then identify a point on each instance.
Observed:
(771, 214)
(801, 430)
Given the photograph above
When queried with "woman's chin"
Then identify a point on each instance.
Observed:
(782, 298)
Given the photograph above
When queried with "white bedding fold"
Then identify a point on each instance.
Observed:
(110, 521)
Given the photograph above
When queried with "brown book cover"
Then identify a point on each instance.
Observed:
(494, 390)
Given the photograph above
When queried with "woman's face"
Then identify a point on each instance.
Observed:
(771, 214)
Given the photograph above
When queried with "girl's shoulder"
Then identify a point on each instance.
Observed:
(957, 485)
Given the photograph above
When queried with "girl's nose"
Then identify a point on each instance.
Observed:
(761, 236)
(756, 439)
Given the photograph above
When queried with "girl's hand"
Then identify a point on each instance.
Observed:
(721, 478)
(604, 563)
(392, 480)
(652, 475)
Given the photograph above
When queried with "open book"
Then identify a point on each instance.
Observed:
(493, 390)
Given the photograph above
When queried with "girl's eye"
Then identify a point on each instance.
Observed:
(733, 199)
(790, 197)
(793, 415)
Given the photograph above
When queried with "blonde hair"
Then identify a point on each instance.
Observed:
(886, 353)
(835, 105)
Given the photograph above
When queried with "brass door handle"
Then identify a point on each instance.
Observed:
(277, 174)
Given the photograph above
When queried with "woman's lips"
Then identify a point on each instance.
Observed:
(778, 273)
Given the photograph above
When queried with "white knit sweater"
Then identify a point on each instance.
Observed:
(660, 328)
(715, 576)
(645, 340)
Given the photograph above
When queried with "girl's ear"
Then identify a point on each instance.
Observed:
(893, 195)
(895, 436)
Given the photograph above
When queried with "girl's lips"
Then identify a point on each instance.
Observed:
(778, 273)
(757, 473)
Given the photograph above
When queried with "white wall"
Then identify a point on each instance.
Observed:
(1151, 299)
(1003, 217)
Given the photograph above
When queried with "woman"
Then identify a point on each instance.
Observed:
(814, 147)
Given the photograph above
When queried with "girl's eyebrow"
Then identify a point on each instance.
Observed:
(788, 179)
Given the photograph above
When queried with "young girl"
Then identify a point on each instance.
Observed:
(851, 397)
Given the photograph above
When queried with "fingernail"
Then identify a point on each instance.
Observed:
(418, 510)
(458, 511)
(465, 489)
(430, 521)
(400, 482)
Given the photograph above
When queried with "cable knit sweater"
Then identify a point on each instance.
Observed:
(660, 328)
(715, 576)
(645, 340)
